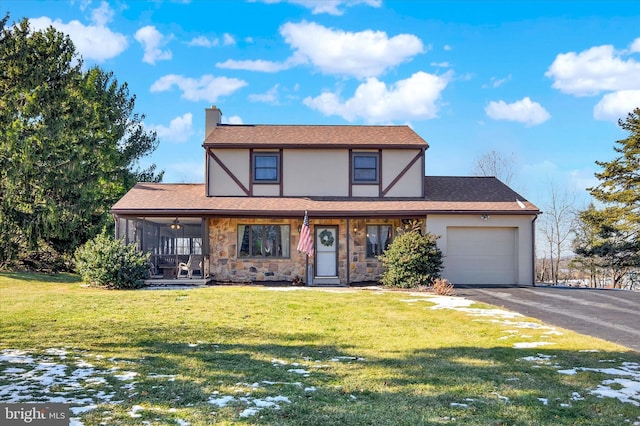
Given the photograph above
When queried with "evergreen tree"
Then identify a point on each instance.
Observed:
(69, 144)
(615, 229)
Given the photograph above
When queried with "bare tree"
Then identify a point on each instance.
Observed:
(496, 164)
(557, 226)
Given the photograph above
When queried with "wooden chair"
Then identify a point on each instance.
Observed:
(193, 264)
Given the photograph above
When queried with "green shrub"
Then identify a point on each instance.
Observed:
(109, 263)
(412, 260)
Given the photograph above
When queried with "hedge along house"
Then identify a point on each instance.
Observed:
(358, 185)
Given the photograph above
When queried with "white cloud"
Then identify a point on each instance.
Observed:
(496, 82)
(447, 47)
(523, 111)
(206, 88)
(616, 105)
(151, 40)
(95, 41)
(270, 97)
(635, 46)
(440, 64)
(228, 40)
(102, 15)
(180, 129)
(595, 70)
(234, 119)
(203, 41)
(254, 65)
(332, 7)
(374, 102)
(359, 54)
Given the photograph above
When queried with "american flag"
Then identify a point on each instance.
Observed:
(305, 244)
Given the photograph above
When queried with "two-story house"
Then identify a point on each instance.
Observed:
(358, 185)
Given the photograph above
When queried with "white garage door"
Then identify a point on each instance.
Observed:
(480, 255)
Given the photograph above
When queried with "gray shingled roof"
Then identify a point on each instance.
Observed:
(468, 188)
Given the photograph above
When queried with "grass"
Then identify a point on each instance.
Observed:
(307, 357)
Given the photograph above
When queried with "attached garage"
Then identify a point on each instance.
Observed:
(481, 255)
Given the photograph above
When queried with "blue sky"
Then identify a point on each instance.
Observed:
(542, 82)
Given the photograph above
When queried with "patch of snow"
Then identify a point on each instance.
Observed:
(346, 358)
(459, 404)
(222, 402)
(528, 345)
(14, 370)
(538, 357)
(248, 412)
(544, 401)
(135, 410)
(61, 352)
(299, 371)
(80, 410)
(629, 390)
(504, 398)
(127, 375)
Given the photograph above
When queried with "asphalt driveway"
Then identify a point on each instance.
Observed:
(612, 315)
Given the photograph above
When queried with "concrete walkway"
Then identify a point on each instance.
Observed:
(612, 315)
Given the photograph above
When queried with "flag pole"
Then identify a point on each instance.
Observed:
(306, 269)
(306, 261)
(305, 244)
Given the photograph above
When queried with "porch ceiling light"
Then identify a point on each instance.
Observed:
(176, 225)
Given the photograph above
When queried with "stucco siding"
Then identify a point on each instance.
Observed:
(237, 161)
(309, 172)
(393, 162)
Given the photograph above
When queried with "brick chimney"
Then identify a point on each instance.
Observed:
(213, 117)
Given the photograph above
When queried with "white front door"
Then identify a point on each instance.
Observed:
(326, 251)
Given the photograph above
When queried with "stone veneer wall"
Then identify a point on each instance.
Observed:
(225, 266)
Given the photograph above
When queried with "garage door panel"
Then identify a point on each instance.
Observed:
(481, 255)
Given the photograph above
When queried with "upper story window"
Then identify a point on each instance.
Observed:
(365, 168)
(265, 167)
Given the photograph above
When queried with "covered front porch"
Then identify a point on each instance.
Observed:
(177, 247)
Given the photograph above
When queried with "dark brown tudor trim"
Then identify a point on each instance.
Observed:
(281, 170)
(229, 172)
(402, 173)
(380, 173)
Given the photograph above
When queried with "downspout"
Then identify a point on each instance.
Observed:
(533, 247)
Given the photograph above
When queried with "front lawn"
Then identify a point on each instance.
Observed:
(295, 356)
